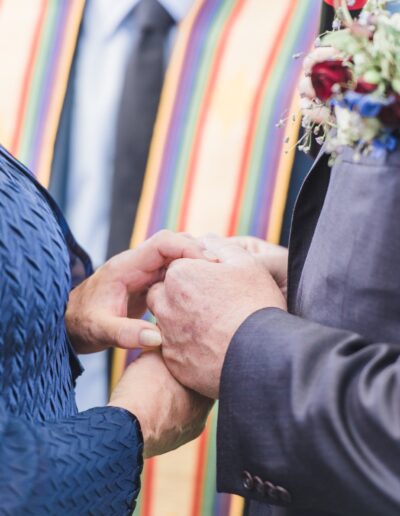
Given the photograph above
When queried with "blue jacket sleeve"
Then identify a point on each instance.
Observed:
(87, 464)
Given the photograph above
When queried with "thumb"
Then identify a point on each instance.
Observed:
(226, 250)
(133, 333)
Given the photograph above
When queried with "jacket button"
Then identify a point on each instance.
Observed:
(271, 491)
(247, 480)
(283, 495)
(259, 486)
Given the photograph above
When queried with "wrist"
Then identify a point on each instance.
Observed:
(138, 414)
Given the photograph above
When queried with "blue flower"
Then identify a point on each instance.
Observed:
(393, 6)
(351, 100)
(386, 143)
(390, 142)
(367, 105)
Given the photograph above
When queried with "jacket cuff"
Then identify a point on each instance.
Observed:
(250, 372)
(95, 458)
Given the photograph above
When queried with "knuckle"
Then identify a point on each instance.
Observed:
(172, 274)
(151, 300)
(163, 234)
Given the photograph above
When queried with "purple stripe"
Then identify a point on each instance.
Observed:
(222, 504)
(49, 76)
(187, 81)
(274, 136)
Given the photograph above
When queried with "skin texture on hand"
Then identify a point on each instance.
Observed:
(105, 310)
(273, 257)
(318, 114)
(200, 306)
(169, 414)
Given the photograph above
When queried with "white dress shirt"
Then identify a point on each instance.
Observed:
(106, 40)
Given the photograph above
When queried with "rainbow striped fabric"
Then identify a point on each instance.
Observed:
(218, 163)
(217, 160)
(37, 44)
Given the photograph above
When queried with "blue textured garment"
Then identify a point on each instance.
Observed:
(52, 460)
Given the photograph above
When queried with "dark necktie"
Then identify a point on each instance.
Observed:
(138, 109)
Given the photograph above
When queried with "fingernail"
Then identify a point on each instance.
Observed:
(150, 338)
(210, 256)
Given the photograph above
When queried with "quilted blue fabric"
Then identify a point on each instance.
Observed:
(52, 459)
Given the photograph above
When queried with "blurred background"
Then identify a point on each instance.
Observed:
(140, 115)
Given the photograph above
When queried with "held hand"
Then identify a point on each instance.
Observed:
(200, 306)
(273, 257)
(104, 310)
(169, 414)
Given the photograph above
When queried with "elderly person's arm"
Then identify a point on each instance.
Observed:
(90, 463)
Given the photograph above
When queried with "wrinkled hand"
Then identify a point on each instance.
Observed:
(273, 257)
(200, 306)
(104, 310)
(318, 113)
(169, 414)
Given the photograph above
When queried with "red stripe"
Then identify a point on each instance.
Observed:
(219, 54)
(147, 488)
(253, 120)
(199, 478)
(28, 79)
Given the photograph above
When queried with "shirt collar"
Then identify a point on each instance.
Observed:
(178, 9)
(104, 17)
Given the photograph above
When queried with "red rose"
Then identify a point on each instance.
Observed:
(352, 4)
(390, 115)
(364, 87)
(326, 74)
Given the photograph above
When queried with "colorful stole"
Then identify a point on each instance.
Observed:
(218, 163)
(37, 44)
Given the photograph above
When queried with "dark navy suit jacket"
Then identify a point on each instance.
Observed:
(309, 420)
(52, 459)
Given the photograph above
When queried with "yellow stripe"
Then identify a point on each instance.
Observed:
(228, 118)
(284, 172)
(176, 469)
(59, 91)
(237, 506)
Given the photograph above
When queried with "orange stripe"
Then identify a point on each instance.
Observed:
(219, 54)
(26, 83)
(253, 120)
(147, 488)
(200, 468)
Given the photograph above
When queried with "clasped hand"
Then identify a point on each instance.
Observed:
(200, 293)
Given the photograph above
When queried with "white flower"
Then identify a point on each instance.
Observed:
(352, 128)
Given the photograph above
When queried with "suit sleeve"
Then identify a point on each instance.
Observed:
(310, 417)
(88, 464)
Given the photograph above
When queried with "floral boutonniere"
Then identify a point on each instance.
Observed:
(362, 86)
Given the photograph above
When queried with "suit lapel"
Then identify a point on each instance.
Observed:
(306, 213)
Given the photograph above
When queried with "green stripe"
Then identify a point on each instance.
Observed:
(264, 123)
(39, 77)
(210, 480)
(201, 82)
(138, 508)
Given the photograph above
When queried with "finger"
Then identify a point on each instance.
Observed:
(226, 250)
(155, 296)
(166, 246)
(253, 245)
(133, 333)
